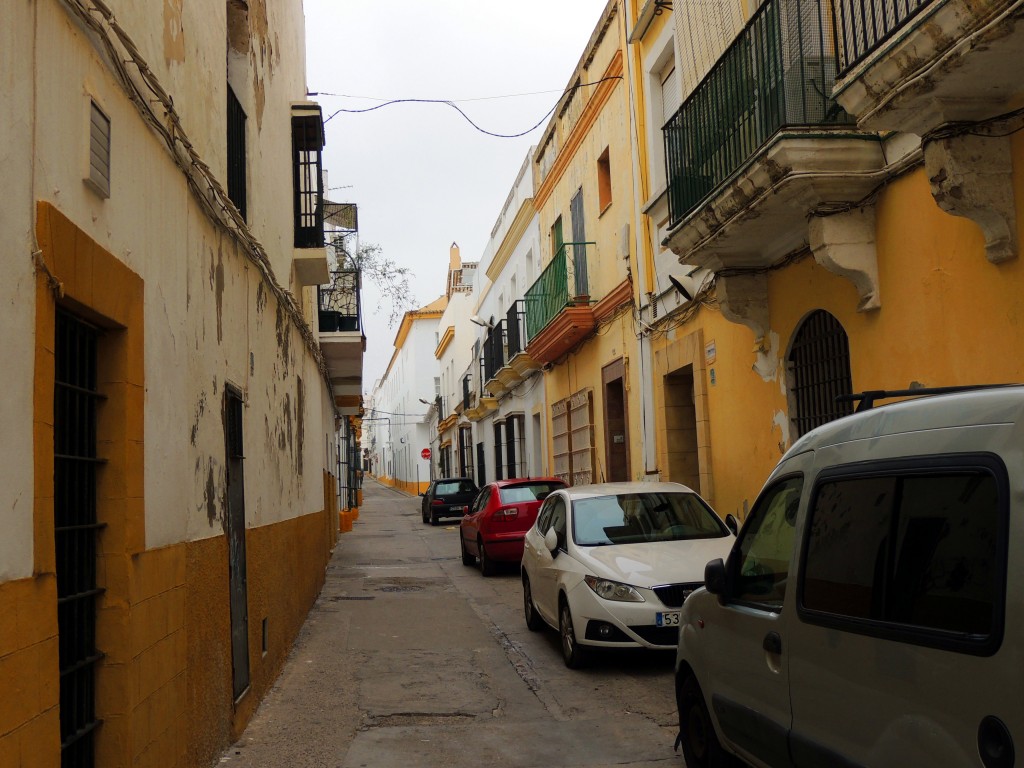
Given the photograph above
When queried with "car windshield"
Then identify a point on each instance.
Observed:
(512, 494)
(643, 517)
(455, 486)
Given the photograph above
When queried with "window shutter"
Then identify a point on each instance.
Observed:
(99, 151)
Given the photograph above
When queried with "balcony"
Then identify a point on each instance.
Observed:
(309, 257)
(558, 311)
(759, 145)
(494, 356)
(341, 337)
(519, 366)
(476, 402)
(913, 65)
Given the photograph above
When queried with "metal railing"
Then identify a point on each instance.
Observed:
(865, 24)
(778, 72)
(338, 302)
(466, 388)
(494, 351)
(563, 282)
(515, 328)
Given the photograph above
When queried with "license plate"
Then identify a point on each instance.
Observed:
(668, 619)
(458, 509)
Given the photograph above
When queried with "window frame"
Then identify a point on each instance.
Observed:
(918, 466)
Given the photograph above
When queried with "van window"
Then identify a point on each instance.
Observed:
(918, 551)
(763, 553)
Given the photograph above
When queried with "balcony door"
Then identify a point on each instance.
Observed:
(579, 236)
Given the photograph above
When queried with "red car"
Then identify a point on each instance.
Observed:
(496, 524)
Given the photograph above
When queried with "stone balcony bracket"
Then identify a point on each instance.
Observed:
(844, 244)
(971, 176)
(743, 299)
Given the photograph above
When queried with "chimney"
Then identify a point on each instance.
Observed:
(454, 260)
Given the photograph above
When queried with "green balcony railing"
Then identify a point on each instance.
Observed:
(562, 283)
(777, 73)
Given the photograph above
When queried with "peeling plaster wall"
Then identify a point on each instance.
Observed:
(209, 320)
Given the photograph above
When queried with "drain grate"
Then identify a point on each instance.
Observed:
(399, 588)
(339, 598)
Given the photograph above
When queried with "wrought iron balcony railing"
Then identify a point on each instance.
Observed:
(563, 282)
(338, 302)
(515, 328)
(494, 351)
(865, 24)
(466, 391)
(777, 73)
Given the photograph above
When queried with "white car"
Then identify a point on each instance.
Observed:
(610, 565)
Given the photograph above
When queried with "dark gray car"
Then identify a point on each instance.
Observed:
(447, 497)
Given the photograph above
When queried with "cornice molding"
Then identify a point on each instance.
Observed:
(511, 239)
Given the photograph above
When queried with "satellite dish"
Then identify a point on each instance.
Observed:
(685, 285)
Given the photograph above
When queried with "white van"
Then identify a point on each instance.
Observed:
(871, 611)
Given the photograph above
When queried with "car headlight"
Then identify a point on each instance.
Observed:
(613, 590)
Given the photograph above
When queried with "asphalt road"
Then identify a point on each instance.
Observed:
(410, 659)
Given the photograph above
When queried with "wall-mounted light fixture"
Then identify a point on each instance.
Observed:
(484, 323)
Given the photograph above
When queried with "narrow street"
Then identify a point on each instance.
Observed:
(410, 658)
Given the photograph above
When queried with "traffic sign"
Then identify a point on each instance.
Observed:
(425, 453)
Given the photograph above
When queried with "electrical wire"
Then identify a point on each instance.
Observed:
(468, 119)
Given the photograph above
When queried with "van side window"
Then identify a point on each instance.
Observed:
(764, 551)
(913, 550)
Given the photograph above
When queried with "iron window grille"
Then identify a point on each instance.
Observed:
(820, 366)
(76, 527)
(466, 451)
(499, 444)
(236, 153)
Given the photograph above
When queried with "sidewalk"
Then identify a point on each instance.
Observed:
(311, 715)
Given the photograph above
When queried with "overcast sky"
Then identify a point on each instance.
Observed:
(421, 175)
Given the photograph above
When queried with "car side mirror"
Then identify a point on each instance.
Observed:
(551, 541)
(715, 577)
(732, 524)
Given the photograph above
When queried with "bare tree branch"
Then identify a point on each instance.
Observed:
(392, 280)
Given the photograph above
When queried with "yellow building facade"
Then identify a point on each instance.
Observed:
(841, 222)
(584, 337)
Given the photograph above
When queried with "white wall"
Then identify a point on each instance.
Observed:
(206, 308)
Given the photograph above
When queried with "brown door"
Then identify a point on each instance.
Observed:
(616, 422)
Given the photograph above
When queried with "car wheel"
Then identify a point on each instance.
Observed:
(533, 620)
(467, 559)
(423, 514)
(487, 566)
(434, 519)
(696, 731)
(573, 654)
